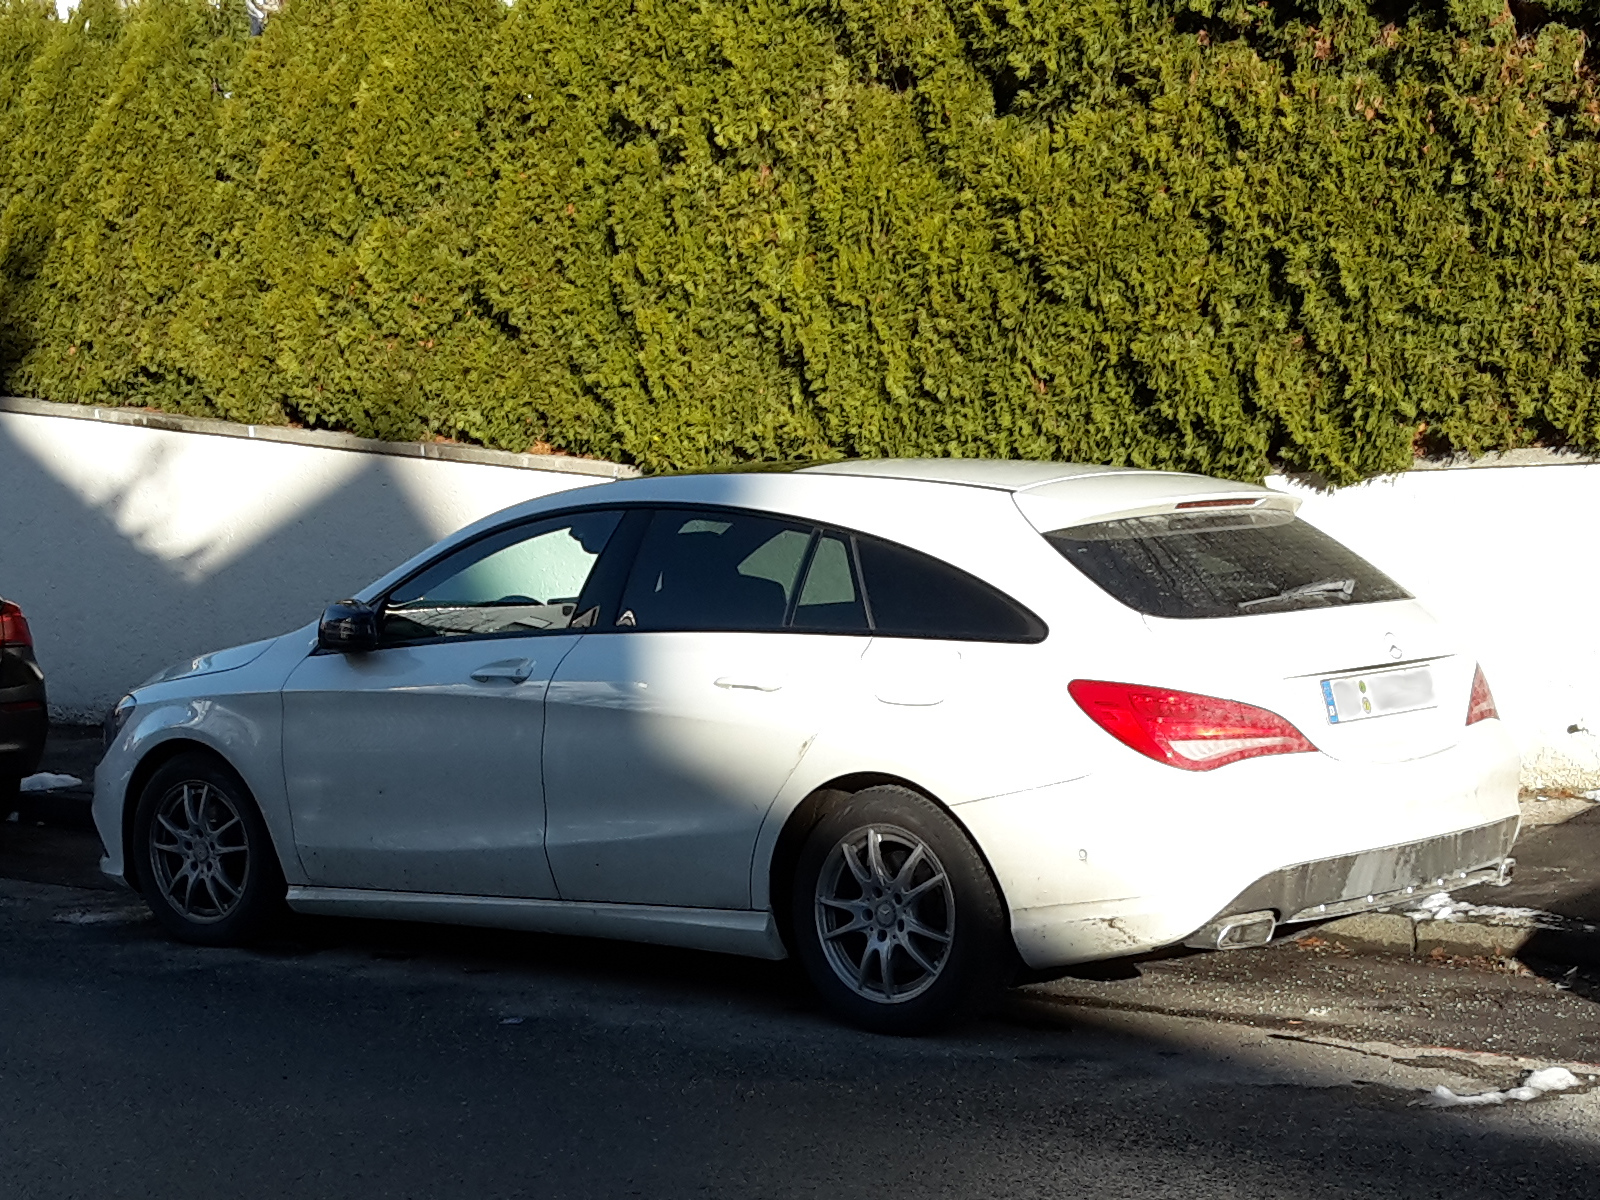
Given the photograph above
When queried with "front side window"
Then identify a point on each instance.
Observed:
(524, 579)
(1220, 563)
(714, 570)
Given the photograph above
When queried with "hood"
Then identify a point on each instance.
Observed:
(211, 664)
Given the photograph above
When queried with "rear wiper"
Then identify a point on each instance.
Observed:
(1323, 587)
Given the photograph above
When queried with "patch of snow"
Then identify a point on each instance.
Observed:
(511, 1020)
(1538, 1083)
(44, 781)
(1442, 906)
(129, 915)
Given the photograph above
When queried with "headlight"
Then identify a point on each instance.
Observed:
(115, 719)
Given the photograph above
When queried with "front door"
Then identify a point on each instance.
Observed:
(672, 728)
(417, 766)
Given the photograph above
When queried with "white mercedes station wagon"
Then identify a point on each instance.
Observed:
(922, 724)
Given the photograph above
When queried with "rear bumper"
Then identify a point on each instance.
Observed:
(24, 725)
(1336, 887)
(1108, 866)
(1353, 883)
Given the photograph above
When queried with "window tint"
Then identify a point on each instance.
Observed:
(714, 570)
(524, 579)
(912, 595)
(1222, 564)
(829, 600)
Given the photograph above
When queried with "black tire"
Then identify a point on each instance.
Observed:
(868, 955)
(205, 862)
(10, 796)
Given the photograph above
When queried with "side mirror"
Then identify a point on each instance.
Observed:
(348, 627)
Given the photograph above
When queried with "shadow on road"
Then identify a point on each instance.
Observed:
(346, 1057)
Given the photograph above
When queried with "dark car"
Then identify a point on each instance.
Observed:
(23, 717)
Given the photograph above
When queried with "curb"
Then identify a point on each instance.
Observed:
(1542, 936)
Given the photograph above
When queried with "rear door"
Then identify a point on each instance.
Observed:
(672, 727)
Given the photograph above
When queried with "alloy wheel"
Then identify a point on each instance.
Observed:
(885, 914)
(199, 851)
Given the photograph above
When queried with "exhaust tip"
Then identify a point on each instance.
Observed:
(1242, 931)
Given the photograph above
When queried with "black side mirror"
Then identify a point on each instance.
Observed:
(348, 627)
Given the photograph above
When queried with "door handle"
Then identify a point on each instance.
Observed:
(508, 670)
(748, 685)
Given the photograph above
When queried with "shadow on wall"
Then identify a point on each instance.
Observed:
(107, 613)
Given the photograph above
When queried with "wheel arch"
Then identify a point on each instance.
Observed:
(155, 758)
(816, 805)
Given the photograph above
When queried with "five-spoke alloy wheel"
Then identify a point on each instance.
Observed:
(895, 915)
(204, 860)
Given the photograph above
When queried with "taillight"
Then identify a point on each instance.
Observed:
(1181, 729)
(1481, 706)
(14, 629)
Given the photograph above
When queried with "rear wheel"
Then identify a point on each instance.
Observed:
(206, 864)
(896, 919)
(10, 795)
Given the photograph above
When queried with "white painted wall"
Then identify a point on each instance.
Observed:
(132, 548)
(1501, 555)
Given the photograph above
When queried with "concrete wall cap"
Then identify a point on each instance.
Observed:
(322, 439)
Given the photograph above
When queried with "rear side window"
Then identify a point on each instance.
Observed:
(714, 570)
(830, 601)
(913, 595)
(1222, 564)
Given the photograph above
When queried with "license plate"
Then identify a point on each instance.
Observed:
(1357, 697)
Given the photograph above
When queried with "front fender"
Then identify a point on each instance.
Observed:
(240, 720)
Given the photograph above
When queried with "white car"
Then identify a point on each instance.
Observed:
(918, 722)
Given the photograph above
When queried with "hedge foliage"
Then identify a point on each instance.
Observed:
(1209, 234)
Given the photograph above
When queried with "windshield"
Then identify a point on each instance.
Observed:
(1222, 564)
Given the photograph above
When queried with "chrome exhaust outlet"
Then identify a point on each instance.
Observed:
(1238, 932)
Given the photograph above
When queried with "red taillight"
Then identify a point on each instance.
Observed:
(14, 629)
(1481, 706)
(1195, 733)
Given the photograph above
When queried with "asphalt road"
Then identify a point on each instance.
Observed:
(377, 1060)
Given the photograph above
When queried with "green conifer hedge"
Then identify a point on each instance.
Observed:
(1219, 235)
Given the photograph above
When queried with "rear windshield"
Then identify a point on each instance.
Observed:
(1222, 564)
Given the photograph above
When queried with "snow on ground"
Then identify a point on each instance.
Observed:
(1442, 906)
(45, 781)
(127, 914)
(1538, 1083)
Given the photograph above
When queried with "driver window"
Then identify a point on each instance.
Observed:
(525, 579)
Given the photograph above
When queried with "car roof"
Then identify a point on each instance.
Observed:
(1008, 475)
(915, 501)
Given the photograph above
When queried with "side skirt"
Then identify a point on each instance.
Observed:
(726, 931)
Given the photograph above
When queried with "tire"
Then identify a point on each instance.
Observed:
(206, 864)
(10, 795)
(891, 949)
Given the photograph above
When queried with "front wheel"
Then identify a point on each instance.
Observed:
(206, 864)
(896, 919)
